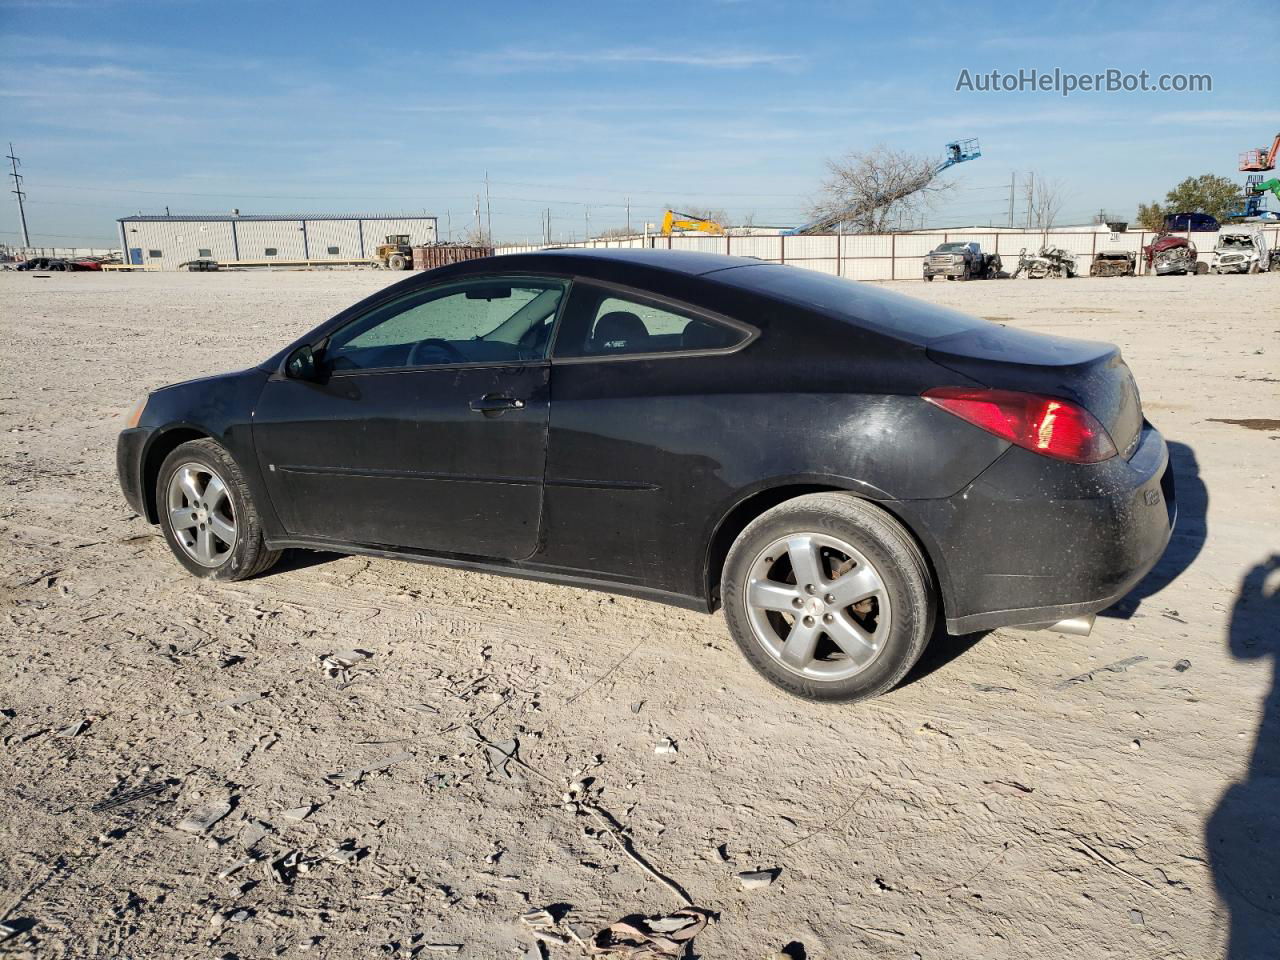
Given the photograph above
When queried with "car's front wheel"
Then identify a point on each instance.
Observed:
(208, 515)
(829, 597)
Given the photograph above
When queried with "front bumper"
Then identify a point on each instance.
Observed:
(1033, 541)
(945, 270)
(130, 450)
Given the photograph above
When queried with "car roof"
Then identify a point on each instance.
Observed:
(687, 262)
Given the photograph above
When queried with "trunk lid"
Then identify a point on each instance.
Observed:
(1086, 372)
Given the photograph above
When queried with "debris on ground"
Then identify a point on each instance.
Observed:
(235, 867)
(285, 869)
(757, 879)
(130, 796)
(346, 853)
(638, 938)
(336, 665)
(666, 745)
(202, 818)
(354, 775)
(75, 729)
(500, 756)
(298, 814)
(1182, 666)
(543, 925)
(235, 703)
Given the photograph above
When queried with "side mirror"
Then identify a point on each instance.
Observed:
(302, 365)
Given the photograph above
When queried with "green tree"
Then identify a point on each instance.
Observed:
(1151, 216)
(1207, 193)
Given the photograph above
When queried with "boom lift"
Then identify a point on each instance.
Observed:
(1262, 159)
(673, 220)
(1255, 163)
(958, 151)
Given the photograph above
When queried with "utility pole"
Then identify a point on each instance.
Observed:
(18, 191)
(479, 236)
(628, 216)
(586, 213)
(1031, 195)
(1013, 180)
(448, 226)
(488, 211)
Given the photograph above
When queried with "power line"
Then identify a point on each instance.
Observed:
(18, 191)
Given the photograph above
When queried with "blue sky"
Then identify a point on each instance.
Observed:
(119, 107)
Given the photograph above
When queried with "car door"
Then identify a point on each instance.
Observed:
(425, 426)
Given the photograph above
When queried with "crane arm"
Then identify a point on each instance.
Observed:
(673, 220)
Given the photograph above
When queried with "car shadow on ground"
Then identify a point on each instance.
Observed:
(1242, 836)
(1188, 536)
(942, 649)
(293, 560)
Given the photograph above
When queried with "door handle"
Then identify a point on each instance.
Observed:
(493, 404)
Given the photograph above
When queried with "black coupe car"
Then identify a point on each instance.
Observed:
(833, 464)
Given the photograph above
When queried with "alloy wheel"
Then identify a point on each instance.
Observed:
(201, 514)
(818, 606)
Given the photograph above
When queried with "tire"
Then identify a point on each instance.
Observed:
(396, 262)
(204, 508)
(929, 277)
(830, 528)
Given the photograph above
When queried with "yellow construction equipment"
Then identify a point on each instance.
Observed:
(673, 220)
(395, 254)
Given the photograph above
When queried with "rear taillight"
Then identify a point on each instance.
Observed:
(1048, 425)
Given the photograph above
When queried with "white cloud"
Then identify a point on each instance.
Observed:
(513, 60)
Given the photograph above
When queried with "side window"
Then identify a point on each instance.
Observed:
(333, 251)
(269, 252)
(204, 252)
(154, 254)
(494, 320)
(608, 324)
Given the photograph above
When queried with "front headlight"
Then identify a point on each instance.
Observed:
(136, 414)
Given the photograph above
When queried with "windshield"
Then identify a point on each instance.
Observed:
(951, 248)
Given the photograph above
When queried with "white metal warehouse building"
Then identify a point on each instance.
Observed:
(165, 242)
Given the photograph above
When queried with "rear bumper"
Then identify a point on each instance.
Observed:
(1033, 541)
(130, 449)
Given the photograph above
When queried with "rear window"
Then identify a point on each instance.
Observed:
(857, 303)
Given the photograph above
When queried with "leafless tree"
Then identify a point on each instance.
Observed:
(876, 190)
(1046, 204)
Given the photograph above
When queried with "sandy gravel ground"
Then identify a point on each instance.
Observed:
(988, 808)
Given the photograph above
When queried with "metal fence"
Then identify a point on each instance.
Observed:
(894, 256)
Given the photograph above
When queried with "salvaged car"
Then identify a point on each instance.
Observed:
(833, 465)
(961, 261)
(1049, 262)
(1114, 263)
(1168, 255)
(200, 265)
(44, 263)
(1240, 250)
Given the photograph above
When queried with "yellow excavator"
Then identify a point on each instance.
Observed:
(674, 220)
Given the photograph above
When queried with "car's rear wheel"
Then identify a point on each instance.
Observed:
(208, 516)
(829, 597)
